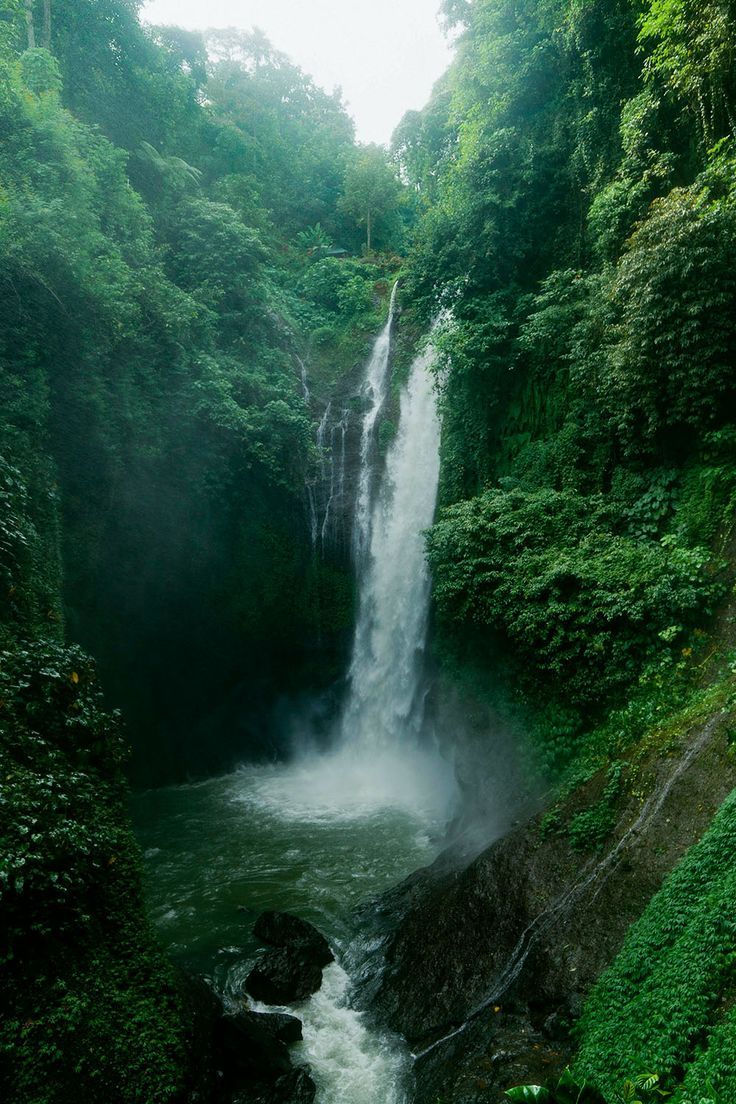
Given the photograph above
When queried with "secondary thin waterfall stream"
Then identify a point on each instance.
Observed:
(375, 387)
(324, 833)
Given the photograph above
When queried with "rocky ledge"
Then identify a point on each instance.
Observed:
(242, 1057)
(484, 966)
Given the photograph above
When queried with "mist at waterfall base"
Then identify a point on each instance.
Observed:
(381, 755)
(331, 829)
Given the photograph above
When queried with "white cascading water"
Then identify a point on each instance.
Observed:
(304, 377)
(311, 489)
(384, 706)
(375, 386)
(338, 436)
(380, 758)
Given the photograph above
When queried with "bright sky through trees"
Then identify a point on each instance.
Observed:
(384, 54)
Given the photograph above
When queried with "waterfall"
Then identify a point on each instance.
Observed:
(304, 377)
(382, 753)
(336, 496)
(373, 391)
(384, 706)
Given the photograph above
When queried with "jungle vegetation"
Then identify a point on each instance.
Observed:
(170, 211)
(576, 171)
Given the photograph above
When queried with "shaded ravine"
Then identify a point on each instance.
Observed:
(329, 830)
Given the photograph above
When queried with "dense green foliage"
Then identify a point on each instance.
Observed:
(667, 1000)
(174, 241)
(182, 222)
(576, 171)
(162, 280)
(642, 1089)
(578, 229)
(91, 1010)
(576, 599)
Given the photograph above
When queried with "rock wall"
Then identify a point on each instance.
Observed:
(484, 966)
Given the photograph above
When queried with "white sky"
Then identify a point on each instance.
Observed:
(384, 54)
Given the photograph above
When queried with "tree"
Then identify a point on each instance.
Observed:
(46, 26)
(371, 189)
(29, 25)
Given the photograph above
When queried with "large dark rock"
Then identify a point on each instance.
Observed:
(292, 971)
(296, 1087)
(299, 1086)
(283, 929)
(284, 976)
(241, 1057)
(249, 1051)
(287, 1029)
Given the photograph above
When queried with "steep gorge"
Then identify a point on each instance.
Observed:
(219, 445)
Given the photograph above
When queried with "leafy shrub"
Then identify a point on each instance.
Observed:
(662, 1001)
(566, 1091)
(576, 600)
(91, 1009)
(339, 286)
(668, 363)
(40, 71)
(643, 1089)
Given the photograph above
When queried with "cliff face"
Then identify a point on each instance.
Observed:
(487, 965)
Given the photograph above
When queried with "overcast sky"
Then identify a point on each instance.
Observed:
(384, 54)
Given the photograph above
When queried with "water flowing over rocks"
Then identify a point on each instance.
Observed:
(242, 1056)
(340, 493)
(283, 976)
(484, 966)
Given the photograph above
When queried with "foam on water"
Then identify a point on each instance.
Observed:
(348, 784)
(350, 1061)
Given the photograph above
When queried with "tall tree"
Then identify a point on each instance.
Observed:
(29, 25)
(371, 189)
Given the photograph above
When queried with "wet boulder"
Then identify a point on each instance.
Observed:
(292, 970)
(296, 1087)
(284, 975)
(286, 1029)
(249, 1051)
(283, 929)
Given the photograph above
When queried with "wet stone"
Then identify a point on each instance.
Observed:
(284, 976)
(283, 929)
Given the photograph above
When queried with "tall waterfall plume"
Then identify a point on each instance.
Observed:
(384, 706)
(383, 754)
(375, 386)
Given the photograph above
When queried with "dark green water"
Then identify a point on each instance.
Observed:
(296, 838)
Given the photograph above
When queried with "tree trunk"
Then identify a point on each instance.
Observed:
(47, 24)
(368, 224)
(29, 25)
